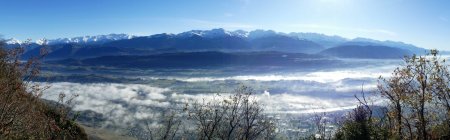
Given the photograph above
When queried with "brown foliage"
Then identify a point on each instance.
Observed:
(418, 95)
(418, 104)
(23, 115)
(238, 116)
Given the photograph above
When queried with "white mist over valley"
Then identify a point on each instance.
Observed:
(292, 92)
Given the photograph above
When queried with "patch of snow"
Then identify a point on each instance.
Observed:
(13, 41)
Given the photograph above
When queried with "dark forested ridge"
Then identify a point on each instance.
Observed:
(375, 52)
(203, 59)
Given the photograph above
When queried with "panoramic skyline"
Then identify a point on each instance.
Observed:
(422, 23)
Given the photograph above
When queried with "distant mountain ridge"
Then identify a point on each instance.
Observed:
(208, 40)
(98, 39)
(204, 60)
(366, 52)
(322, 39)
(395, 44)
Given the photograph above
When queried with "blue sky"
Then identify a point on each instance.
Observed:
(425, 23)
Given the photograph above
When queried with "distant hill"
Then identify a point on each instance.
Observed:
(372, 52)
(202, 60)
(64, 51)
(285, 44)
(394, 44)
(187, 43)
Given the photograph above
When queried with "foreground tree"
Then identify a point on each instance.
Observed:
(23, 115)
(360, 123)
(237, 116)
(418, 102)
(418, 95)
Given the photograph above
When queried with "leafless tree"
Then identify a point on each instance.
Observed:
(238, 116)
(320, 123)
(413, 91)
(23, 115)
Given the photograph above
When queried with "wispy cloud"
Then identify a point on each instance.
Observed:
(337, 28)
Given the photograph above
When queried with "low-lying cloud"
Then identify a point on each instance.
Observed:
(322, 77)
(120, 103)
(124, 104)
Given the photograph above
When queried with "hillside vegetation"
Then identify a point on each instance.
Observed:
(23, 115)
(417, 107)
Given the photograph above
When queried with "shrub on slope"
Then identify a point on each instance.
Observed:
(23, 115)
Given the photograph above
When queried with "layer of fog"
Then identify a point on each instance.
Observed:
(124, 104)
(300, 92)
(318, 76)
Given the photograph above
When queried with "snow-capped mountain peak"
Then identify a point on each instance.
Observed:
(317, 36)
(91, 39)
(240, 33)
(214, 33)
(98, 39)
(41, 41)
(261, 33)
(13, 41)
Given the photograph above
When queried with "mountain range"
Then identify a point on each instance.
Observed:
(78, 40)
(217, 40)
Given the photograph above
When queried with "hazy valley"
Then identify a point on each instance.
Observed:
(124, 80)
